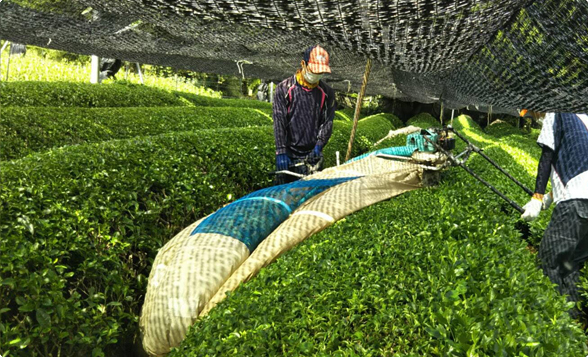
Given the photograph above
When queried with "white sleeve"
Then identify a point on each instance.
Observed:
(547, 135)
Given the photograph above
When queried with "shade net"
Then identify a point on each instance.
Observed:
(504, 54)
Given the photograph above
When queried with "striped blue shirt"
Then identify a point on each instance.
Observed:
(303, 117)
(567, 135)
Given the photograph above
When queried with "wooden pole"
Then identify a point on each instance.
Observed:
(366, 75)
(140, 73)
(441, 116)
(489, 116)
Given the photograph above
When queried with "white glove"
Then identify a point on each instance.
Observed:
(532, 209)
(547, 200)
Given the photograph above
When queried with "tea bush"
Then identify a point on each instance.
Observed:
(435, 272)
(24, 130)
(369, 130)
(81, 225)
(203, 101)
(85, 95)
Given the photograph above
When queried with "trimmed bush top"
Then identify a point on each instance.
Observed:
(200, 100)
(435, 272)
(501, 128)
(423, 120)
(85, 95)
(24, 130)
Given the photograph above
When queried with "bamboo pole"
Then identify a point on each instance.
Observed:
(366, 75)
(489, 117)
(140, 73)
(441, 116)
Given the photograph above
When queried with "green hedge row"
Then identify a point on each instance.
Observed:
(394, 120)
(26, 130)
(203, 101)
(434, 272)
(512, 137)
(266, 107)
(369, 130)
(81, 225)
(423, 120)
(500, 128)
(518, 155)
(116, 94)
(85, 95)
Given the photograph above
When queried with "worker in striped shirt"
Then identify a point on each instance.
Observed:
(564, 159)
(303, 111)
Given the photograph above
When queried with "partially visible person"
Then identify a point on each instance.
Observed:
(564, 159)
(303, 111)
(18, 49)
(109, 67)
(262, 91)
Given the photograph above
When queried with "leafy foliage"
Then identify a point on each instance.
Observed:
(500, 128)
(424, 120)
(43, 64)
(85, 95)
(80, 227)
(519, 156)
(24, 130)
(436, 272)
(82, 224)
(199, 100)
(369, 130)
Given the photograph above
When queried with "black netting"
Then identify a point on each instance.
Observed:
(502, 53)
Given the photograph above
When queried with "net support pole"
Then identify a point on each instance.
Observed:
(489, 116)
(6, 43)
(452, 112)
(441, 116)
(140, 73)
(271, 98)
(8, 63)
(95, 70)
(366, 75)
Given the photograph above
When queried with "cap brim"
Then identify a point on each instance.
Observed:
(319, 68)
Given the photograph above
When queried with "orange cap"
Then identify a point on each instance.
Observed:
(523, 112)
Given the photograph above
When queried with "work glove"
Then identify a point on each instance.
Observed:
(547, 200)
(282, 162)
(532, 209)
(315, 155)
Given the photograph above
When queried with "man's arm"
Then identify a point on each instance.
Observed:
(326, 128)
(543, 171)
(280, 116)
(534, 206)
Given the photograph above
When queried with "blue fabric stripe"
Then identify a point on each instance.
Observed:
(252, 218)
(395, 150)
(272, 200)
